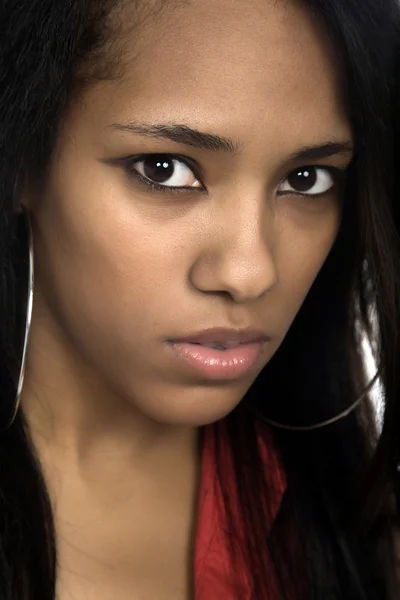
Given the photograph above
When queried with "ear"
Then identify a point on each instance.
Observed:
(18, 204)
(24, 194)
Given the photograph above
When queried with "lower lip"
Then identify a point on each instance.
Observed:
(218, 364)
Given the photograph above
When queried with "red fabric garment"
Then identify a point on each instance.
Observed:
(213, 571)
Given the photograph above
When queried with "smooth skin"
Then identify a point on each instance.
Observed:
(121, 267)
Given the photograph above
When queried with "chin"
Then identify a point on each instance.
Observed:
(191, 414)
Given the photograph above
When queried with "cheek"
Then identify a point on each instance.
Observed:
(102, 271)
(300, 255)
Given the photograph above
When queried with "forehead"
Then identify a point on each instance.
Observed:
(264, 65)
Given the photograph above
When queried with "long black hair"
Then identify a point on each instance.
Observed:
(340, 510)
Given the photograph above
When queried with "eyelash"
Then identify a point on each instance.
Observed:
(155, 187)
(338, 174)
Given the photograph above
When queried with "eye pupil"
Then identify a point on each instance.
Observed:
(304, 179)
(158, 168)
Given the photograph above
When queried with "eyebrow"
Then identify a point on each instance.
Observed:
(323, 151)
(182, 134)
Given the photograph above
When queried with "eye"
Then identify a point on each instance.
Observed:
(164, 170)
(310, 181)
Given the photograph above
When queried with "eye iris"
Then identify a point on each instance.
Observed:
(303, 179)
(158, 168)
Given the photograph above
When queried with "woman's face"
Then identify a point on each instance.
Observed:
(121, 267)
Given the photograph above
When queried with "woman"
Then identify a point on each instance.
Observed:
(197, 219)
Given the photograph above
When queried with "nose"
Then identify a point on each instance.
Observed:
(237, 257)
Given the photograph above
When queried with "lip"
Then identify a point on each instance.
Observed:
(212, 364)
(225, 336)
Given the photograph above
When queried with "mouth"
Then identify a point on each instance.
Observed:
(215, 346)
(220, 338)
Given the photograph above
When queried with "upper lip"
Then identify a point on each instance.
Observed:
(225, 336)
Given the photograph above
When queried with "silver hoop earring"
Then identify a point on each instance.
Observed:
(328, 421)
(28, 320)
